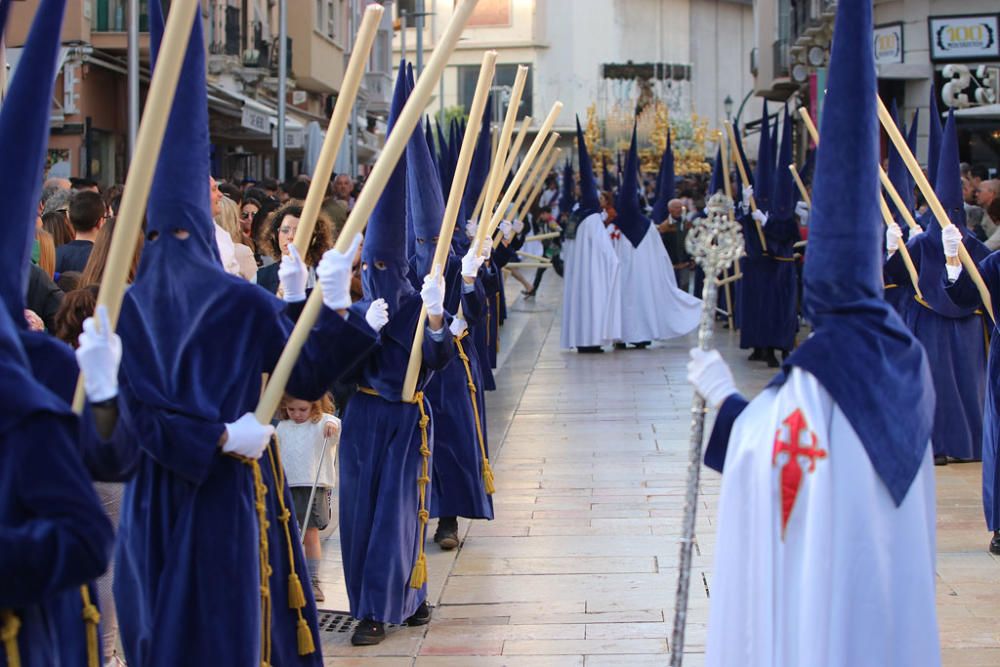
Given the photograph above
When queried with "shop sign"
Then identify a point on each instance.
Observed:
(966, 37)
(889, 44)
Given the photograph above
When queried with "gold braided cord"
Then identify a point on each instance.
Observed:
(296, 596)
(91, 617)
(10, 626)
(486, 470)
(418, 575)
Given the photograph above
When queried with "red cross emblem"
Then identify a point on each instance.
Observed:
(615, 233)
(791, 472)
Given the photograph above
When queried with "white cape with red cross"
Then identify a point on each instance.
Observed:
(814, 564)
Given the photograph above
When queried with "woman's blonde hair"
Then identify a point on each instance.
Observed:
(229, 219)
(46, 252)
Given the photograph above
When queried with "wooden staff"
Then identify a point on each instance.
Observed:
(357, 219)
(522, 132)
(451, 211)
(529, 182)
(543, 237)
(337, 127)
(911, 163)
(522, 170)
(743, 176)
(496, 179)
(149, 138)
(882, 176)
(522, 205)
(802, 186)
(505, 206)
(903, 250)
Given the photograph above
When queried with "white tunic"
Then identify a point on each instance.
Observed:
(591, 291)
(652, 306)
(851, 581)
(302, 448)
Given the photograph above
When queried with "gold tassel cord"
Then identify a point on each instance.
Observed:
(418, 575)
(296, 595)
(260, 494)
(487, 471)
(10, 626)
(91, 617)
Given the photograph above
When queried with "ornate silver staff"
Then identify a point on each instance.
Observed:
(714, 244)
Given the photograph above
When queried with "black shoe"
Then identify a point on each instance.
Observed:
(446, 535)
(941, 460)
(641, 345)
(756, 355)
(772, 361)
(422, 616)
(590, 349)
(621, 346)
(368, 633)
(995, 543)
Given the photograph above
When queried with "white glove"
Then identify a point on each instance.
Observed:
(507, 230)
(334, 275)
(293, 274)
(760, 217)
(470, 228)
(893, 235)
(518, 226)
(432, 292)
(458, 327)
(472, 260)
(377, 315)
(710, 376)
(950, 239)
(486, 251)
(247, 437)
(747, 194)
(802, 210)
(99, 355)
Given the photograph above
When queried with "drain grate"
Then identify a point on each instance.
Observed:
(336, 621)
(341, 622)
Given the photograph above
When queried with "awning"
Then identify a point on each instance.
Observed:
(991, 111)
(13, 55)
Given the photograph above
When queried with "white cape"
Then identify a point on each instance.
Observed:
(591, 291)
(851, 584)
(652, 306)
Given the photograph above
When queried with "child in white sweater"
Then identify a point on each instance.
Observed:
(305, 429)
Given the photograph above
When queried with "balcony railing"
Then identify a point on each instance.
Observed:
(111, 16)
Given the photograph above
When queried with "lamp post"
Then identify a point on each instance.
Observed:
(727, 104)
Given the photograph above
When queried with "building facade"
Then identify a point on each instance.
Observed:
(945, 48)
(89, 112)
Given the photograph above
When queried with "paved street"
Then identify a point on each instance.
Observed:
(579, 567)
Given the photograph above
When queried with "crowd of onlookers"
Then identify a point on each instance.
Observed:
(254, 223)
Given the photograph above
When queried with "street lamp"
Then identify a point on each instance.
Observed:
(727, 104)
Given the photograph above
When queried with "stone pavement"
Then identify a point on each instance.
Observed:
(579, 567)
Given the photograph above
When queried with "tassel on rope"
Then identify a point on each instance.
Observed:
(296, 594)
(418, 576)
(305, 638)
(91, 618)
(10, 626)
(260, 490)
(487, 471)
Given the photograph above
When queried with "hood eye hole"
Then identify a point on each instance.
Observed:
(182, 234)
(364, 266)
(380, 265)
(421, 241)
(152, 236)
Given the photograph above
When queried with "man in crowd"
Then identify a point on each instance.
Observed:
(673, 231)
(986, 192)
(87, 214)
(343, 190)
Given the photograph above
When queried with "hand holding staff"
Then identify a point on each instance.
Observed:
(746, 181)
(532, 163)
(925, 188)
(394, 146)
(159, 101)
(451, 209)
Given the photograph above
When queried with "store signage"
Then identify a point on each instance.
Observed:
(255, 120)
(889, 44)
(295, 138)
(969, 37)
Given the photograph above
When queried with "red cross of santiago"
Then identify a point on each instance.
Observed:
(791, 471)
